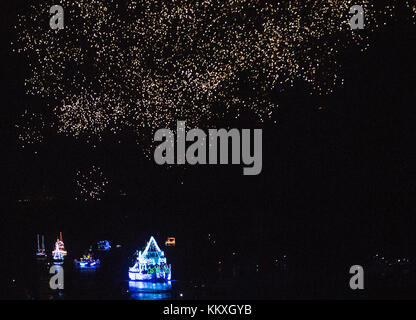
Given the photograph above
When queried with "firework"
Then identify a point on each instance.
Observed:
(90, 184)
(30, 128)
(142, 65)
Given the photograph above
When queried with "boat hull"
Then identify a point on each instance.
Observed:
(152, 277)
(87, 264)
(41, 256)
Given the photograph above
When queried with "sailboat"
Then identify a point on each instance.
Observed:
(41, 252)
(151, 265)
(60, 245)
(58, 257)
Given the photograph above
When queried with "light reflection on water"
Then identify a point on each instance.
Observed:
(88, 283)
(141, 290)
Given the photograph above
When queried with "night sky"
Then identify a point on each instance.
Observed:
(337, 184)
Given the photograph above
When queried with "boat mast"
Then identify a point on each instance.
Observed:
(43, 242)
(57, 253)
(38, 241)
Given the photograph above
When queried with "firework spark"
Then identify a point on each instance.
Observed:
(91, 184)
(30, 128)
(144, 64)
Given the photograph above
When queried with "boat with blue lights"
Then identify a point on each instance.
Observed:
(103, 245)
(87, 262)
(151, 265)
(57, 255)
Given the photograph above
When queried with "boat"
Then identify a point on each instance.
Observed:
(41, 252)
(103, 245)
(170, 242)
(60, 244)
(58, 257)
(151, 265)
(87, 262)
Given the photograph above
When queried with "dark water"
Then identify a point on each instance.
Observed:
(107, 281)
(110, 282)
(210, 261)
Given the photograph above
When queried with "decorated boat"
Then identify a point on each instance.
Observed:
(151, 264)
(87, 262)
(57, 255)
(103, 245)
(60, 245)
(170, 242)
(41, 252)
